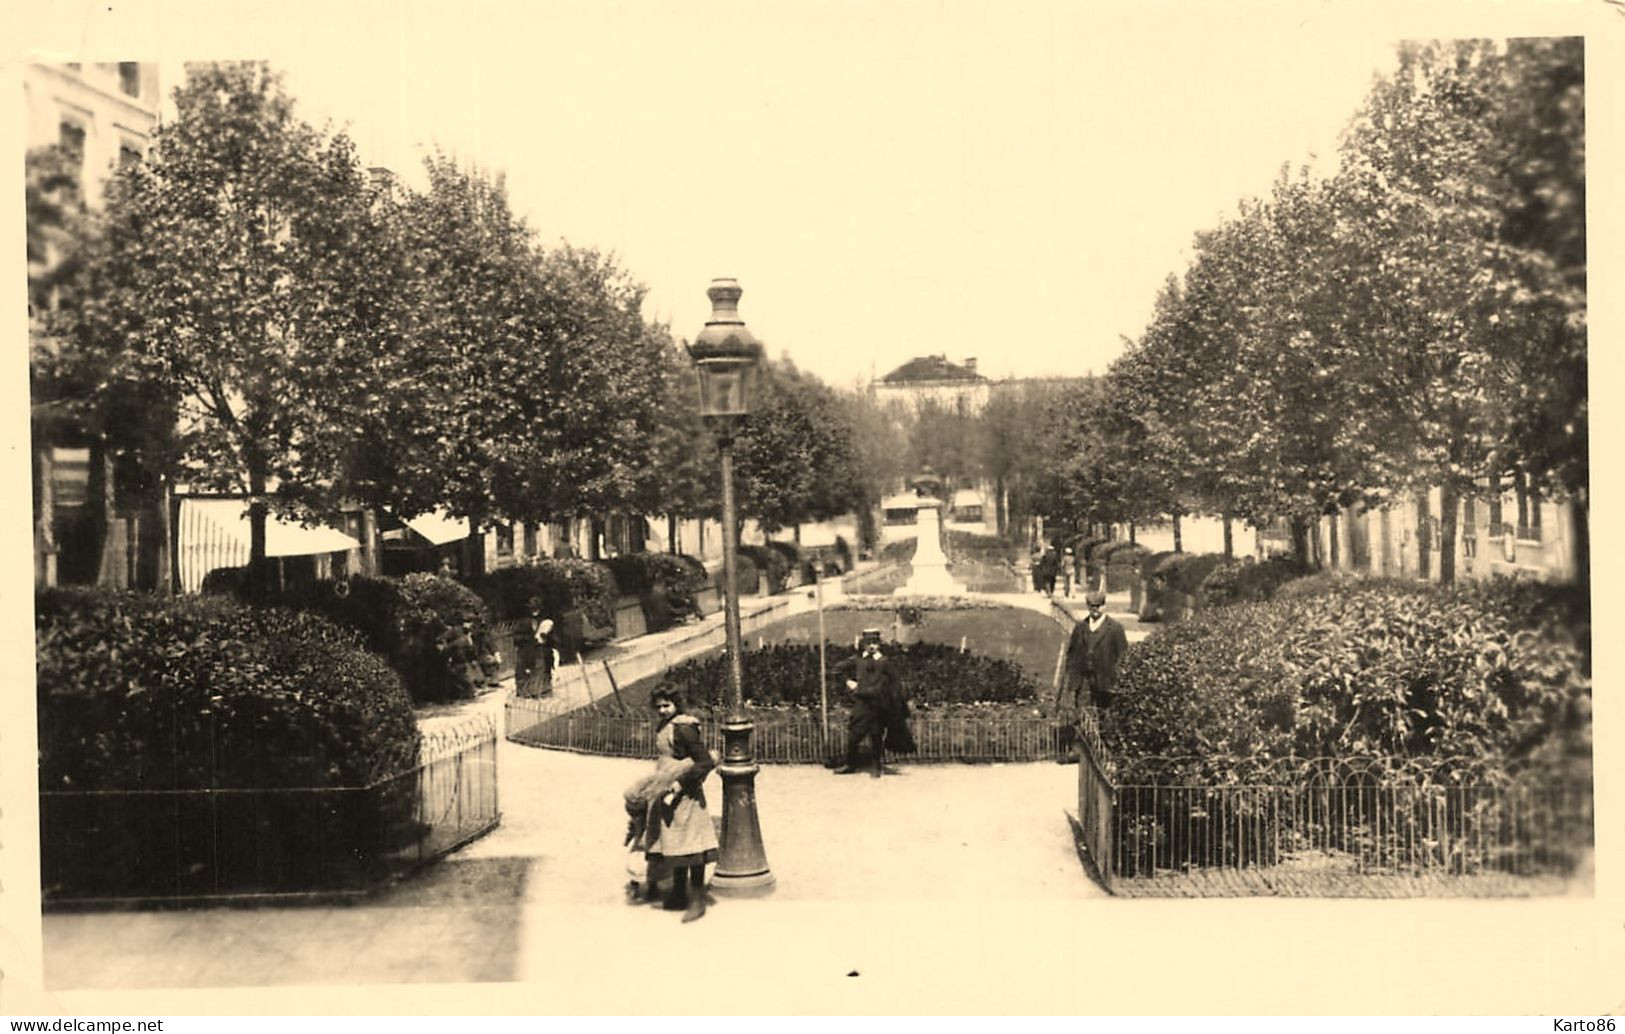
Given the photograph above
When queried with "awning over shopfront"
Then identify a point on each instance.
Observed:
(439, 528)
(215, 533)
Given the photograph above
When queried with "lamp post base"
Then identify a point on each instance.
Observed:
(742, 869)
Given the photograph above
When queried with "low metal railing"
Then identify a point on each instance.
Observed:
(587, 680)
(1322, 825)
(240, 844)
(785, 737)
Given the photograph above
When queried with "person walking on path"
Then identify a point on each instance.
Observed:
(876, 696)
(1093, 652)
(537, 656)
(1069, 570)
(669, 821)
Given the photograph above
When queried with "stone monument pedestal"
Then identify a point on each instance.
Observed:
(930, 577)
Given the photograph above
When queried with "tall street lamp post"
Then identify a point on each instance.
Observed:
(726, 357)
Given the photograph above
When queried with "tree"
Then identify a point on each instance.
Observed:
(945, 439)
(798, 460)
(536, 387)
(880, 438)
(1006, 446)
(1462, 216)
(228, 281)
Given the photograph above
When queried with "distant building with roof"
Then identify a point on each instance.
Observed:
(953, 386)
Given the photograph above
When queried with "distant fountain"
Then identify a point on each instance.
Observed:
(930, 576)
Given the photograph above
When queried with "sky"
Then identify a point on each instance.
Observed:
(1011, 182)
(1008, 183)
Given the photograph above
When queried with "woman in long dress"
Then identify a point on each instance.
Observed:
(669, 818)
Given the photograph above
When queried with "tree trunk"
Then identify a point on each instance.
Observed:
(166, 537)
(674, 528)
(474, 546)
(1299, 529)
(1179, 544)
(45, 530)
(1578, 508)
(1493, 519)
(1333, 545)
(369, 542)
(101, 495)
(1449, 495)
(1229, 540)
(1424, 541)
(1385, 526)
(999, 517)
(1131, 532)
(261, 579)
(796, 533)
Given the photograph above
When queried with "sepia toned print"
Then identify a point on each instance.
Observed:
(977, 526)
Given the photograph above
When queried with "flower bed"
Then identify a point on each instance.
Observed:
(965, 706)
(993, 732)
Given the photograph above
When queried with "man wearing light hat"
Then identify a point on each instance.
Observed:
(1093, 652)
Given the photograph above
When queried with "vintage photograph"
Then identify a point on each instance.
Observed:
(807, 509)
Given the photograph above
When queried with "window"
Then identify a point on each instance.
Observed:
(129, 78)
(71, 138)
(128, 154)
(504, 540)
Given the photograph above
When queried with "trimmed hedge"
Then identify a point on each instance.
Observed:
(1123, 552)
(1248, 580)
(1497, 673)
(141, 692)
(399, 618)
(664, 583)
(899, 551)
(771, 561)
(969, 542)
(561, 584)
(787, 675)
(1087, 546)
(747, 576)
(681, 576)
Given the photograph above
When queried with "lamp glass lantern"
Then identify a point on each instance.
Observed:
(726, 357)
(727, 386)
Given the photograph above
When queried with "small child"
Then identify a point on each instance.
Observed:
(645, 800)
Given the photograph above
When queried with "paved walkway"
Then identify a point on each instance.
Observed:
(943, 889)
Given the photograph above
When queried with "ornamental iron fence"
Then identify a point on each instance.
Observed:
(238, 845)
(1327, 825)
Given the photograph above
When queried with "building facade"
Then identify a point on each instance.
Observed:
(96, 117)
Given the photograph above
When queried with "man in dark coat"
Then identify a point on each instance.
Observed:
(1093, 652)
(879, 707)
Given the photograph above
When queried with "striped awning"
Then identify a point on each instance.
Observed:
(438, 527)
(215, 533)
